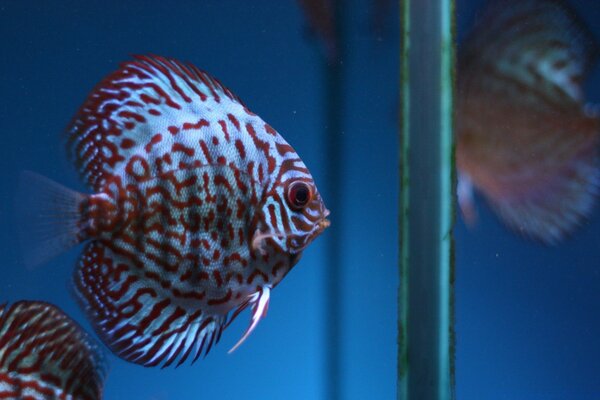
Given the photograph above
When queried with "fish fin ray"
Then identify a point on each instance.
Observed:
(138, 323)
(259, 303)
(551, 213)
(48, 218)
(197, 80)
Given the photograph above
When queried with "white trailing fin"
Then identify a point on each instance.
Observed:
(259, 302)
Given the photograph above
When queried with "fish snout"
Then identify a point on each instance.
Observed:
(324, 222)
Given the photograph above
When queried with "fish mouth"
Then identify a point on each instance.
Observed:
(324, 222)
(305, 239)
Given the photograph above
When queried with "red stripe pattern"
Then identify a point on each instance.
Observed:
(45, 355)
(190, 216)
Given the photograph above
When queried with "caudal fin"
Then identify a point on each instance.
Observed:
(554, 211)
(48, 218)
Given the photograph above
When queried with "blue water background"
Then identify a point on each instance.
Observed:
(527, 316)
(53, 53)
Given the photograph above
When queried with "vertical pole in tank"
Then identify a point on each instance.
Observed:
(334, 86)
(426, 339)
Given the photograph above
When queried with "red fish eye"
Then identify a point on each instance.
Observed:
(298, 195)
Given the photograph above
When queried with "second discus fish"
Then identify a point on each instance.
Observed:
(524, 138)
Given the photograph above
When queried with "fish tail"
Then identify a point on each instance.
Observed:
(49, 218)
(568, 199)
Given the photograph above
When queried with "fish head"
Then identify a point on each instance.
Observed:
(307, 214)
(293, 213)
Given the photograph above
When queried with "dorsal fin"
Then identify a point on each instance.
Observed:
(196, 80)
(531, 49)
(39, 343)
(144, 99)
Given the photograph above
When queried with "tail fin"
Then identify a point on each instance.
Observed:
(48, 216)
(551, 213)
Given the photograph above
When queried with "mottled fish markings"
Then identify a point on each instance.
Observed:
(200, 208)
(525, 139)
(44, 355)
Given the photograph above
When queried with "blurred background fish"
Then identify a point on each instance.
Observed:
(324, 23)
(525, 138)
(46, 355)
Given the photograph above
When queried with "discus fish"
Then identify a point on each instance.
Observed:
(525, 138)
(199, 208)
(45, 355)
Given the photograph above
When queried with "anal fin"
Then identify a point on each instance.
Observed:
(135, 317)
(259, 303)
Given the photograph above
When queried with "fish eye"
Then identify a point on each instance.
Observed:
(298, 195)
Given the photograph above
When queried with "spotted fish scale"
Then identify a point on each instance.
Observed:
(199, 209)
(44, 355)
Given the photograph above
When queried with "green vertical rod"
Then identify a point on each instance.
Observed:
(334, 105)
(426, 299)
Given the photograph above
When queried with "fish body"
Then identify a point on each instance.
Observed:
(524, 137)
(44, 355)
(199, 209)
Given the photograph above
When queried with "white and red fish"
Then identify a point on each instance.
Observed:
(525, 140)
(44, 355)
(199, 208)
